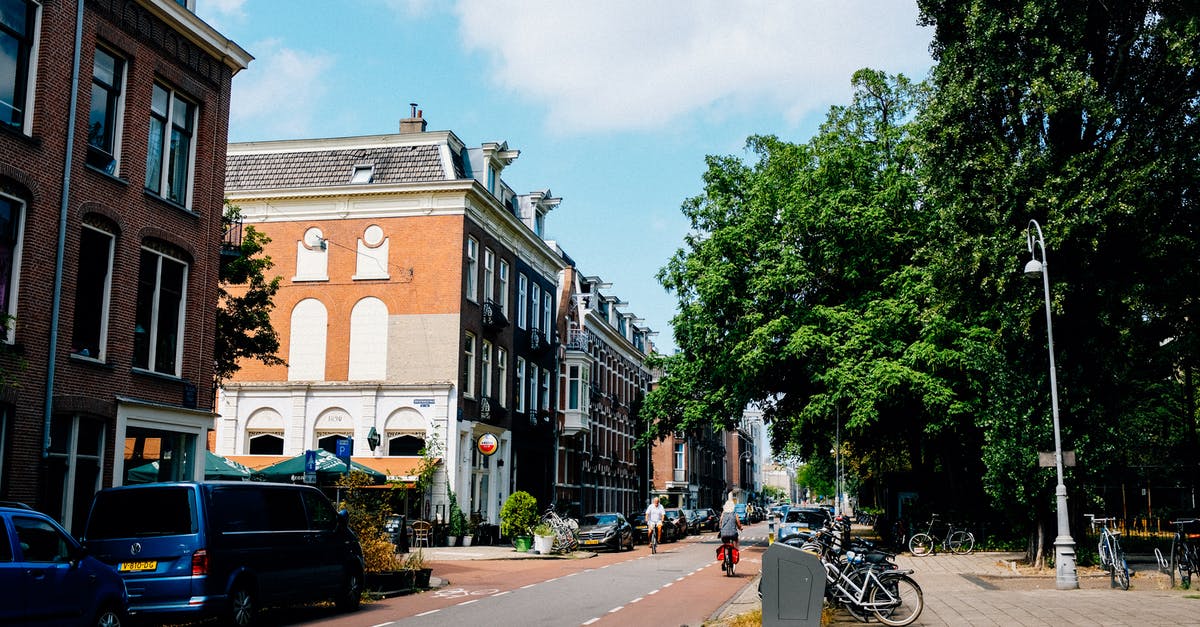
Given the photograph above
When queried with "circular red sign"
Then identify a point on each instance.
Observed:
(487, 444)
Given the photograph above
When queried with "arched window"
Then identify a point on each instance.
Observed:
(406, 432)
(306, 353)
(332, 425)
(368, 340)
(264, 433)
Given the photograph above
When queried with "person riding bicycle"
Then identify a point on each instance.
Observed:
(655, 514)
(730, 525)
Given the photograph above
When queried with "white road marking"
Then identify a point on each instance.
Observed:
(654, 592)
(636, 600)
(500, 594)
(528, 586)
(679, 579)
(591, 621)
(549, 580)
(469, 602)
(668, 584)
(384, 624)
(429, 612)
(616, 609)
(571, 575)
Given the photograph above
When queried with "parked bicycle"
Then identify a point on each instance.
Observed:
(1112, 556)
(564, 531)
(1184, 556)
(957, 541)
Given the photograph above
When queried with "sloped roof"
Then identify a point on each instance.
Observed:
(325, 168)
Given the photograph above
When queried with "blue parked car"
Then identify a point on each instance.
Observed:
(47, 578)
(225, 549)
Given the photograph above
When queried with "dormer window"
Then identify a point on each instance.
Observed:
(539, 225)
(362, 174)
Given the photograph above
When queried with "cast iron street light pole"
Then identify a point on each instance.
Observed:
(1064, 546)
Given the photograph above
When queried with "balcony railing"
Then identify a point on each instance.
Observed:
(578, 339)
(493, 316)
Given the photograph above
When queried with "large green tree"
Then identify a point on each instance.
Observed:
(798, 292)
(245, 298)
(1083, 116)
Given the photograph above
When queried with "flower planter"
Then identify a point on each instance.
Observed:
(522, 543)
(390, 581)
(543, 544)
(421, 578)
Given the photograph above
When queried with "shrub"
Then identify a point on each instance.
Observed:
(519, 514)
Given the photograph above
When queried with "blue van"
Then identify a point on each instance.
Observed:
(224, 549)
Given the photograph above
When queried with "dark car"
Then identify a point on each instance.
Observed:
(227, 549)
(676, 517)
(605, 530)
(638, 521)
(47, 578)
(707, 520)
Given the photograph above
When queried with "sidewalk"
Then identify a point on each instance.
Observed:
(989, 589)
(491, 552)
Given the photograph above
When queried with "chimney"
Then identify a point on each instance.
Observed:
(413, 124)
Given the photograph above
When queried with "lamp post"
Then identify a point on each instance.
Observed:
(1064, 545)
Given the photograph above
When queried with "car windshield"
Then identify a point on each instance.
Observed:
(599, 519)
(811, 517)
(672, 514)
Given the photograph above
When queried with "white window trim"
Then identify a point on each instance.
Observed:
(165, 173)
(501, 377)
(522, 300)
(535, 291)
(485, 374)
(119, 113)
(546, 308)
(503, 300)
(489, 275)
(472, 287)
(181, 325)
(10, 333)
(520, 387)
(107, 304)
(469, 356)
(31, 79)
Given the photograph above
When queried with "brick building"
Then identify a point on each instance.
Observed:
(417, 304)
(110, 239)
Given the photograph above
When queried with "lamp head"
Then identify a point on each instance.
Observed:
(1034, 267)
(373, 439)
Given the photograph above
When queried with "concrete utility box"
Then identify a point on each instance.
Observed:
(793, 586)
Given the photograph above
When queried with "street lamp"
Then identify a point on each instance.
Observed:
(1064, 545)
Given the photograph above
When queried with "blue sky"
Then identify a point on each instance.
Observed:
(613, 104)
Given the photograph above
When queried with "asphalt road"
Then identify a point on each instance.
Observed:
(681, 585)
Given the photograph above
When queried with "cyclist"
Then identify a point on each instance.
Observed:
(730, 525)
(654, 519)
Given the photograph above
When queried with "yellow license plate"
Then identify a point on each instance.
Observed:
(134, 567)
(591, 542)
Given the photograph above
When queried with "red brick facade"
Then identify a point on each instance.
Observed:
(157, 42)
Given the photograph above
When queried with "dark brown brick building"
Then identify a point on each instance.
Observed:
(112, 172)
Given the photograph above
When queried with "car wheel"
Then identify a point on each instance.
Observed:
(350, 597)
(108, 617)
(241, 606)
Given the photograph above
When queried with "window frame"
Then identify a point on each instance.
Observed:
(13, 288)
(472, 270)
(503, 287)
(522, 300)
(151, 364)
(26, 63)
(485, 373)
(519, 401)
(501, 377)
(106, 299)
(163, 188)
(469, 365)
(535, 293)
(489, 275)
(114, 112)
(547, 309)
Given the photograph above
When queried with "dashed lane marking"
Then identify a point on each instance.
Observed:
(589, 622)
(616, 609)
(528, 586)
(500, 594)
(384, 624)
(469, 602)
(429, 612)
(636, 600)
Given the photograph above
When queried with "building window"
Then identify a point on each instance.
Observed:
(327, 441)
(533, 389)
(519, 401)
(18, 39)
(92, 289)
(266, 443)
(680, 462)
(485, 377)
(501, 377)
(545, 402)
(472, 269)
(12, 227)
(104, 120)
(74, 461)
(171, 150)
(578, 378)
(489, 275)
(533, 311)
(522, 295)
(161, 302)
(503, 301)
(405, 444)
(547, 301)
(469, 366)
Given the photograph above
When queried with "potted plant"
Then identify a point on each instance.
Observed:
(473, 524)
(543, 539)
(457, 522)
(383, 570)
(517, 518)
(420, 573)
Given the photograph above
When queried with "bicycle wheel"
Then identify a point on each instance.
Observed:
(1179, 560)
(961, 542)
(920, 544)
(902, 599)
(653, 541)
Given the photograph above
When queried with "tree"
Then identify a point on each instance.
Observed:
(1082, 115)
(245, 299)
(798, 292)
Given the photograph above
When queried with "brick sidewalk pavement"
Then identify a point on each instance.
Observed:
(984, 589)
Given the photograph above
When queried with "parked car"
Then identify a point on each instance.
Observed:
(705, 519)
(740, 510)
(800, 521)
(676, 517)
(47, 578)
(226, 549)
(608, 530)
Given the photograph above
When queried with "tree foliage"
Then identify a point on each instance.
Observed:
(245, 299)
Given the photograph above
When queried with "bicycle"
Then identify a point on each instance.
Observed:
(867, 583)
(957, 541)
(564, 531)
(727, 554)
(652, 537)
(1112, 557)
(1184, 557)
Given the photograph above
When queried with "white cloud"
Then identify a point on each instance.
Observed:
(220, 14)
(630, 64)
(277, 96)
